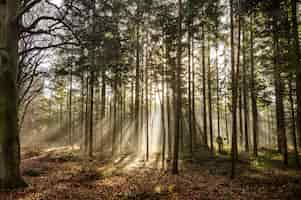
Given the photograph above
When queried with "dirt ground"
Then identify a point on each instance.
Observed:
(59, 174)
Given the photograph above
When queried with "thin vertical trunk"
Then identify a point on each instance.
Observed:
(103, 94)
(87, 116)
(189, 94)
(137, 86)
(226, 122)
(217, 89)
(92, 82)
(204, 88)
(178, 97)
(279, 87)
(241, 127)
(293, 119)
(82, 111)
(115, 117)
(234, 97)
(238, 87)
(193, 93)
(169, 125)
(210, 99)
(245, 92)
(297, 64)
(163, 120)
(253, 92)
(147, 105)
(91, 114)
(70, 106)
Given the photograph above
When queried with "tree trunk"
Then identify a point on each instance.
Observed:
(253, 93)
(279, 88)
(178, 95)
(297, 64)
(10, 176)
(70, 105)
(147, 104)
(193, 93)
(204, 88)
(245, 92)
(217, 88)
(234, 98)
(210, 100)
(114, 136)
(87, 116)
(137, 87)
(238, 88)
(91, 114)
(293, 128)
(189, 92)
(103, 94)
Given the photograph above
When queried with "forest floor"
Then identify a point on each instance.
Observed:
(59, 174)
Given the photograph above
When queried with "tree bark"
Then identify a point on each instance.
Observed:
(297, 64)
(293, 127)
(204, 88)
(279, 87)
(178, 97)
(210, 99)
(234, 97)
(253, 93)
(10, 176)
(245, 92)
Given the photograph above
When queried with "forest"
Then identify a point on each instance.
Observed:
(150, 99)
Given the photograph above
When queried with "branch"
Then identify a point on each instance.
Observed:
(40, 48)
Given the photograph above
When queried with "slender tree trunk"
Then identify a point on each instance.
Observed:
(210, 99)
(204, 88)
(82, 111)
(217, 88)
(91, 115)
(169, 125)
(70, 106)
(137, 86)
(163, 120)
(103, 94)
(279, 88)
(178, 99)
(293, 119)
(115, 117)
(189, 92)
(87, 116)
(193, 93)
(92, 82)
(226, 122)
(245, 92)
(297, 64)
(253, 93)
(238, 87)
(234, 98)
(241, 127)
(147, 104)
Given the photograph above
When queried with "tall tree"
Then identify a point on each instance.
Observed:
(297, 64)
(10, 176)
(279, 87)
(253, 89)
(178, 96)
(245, 89)
(204, 88)
(234, 95)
